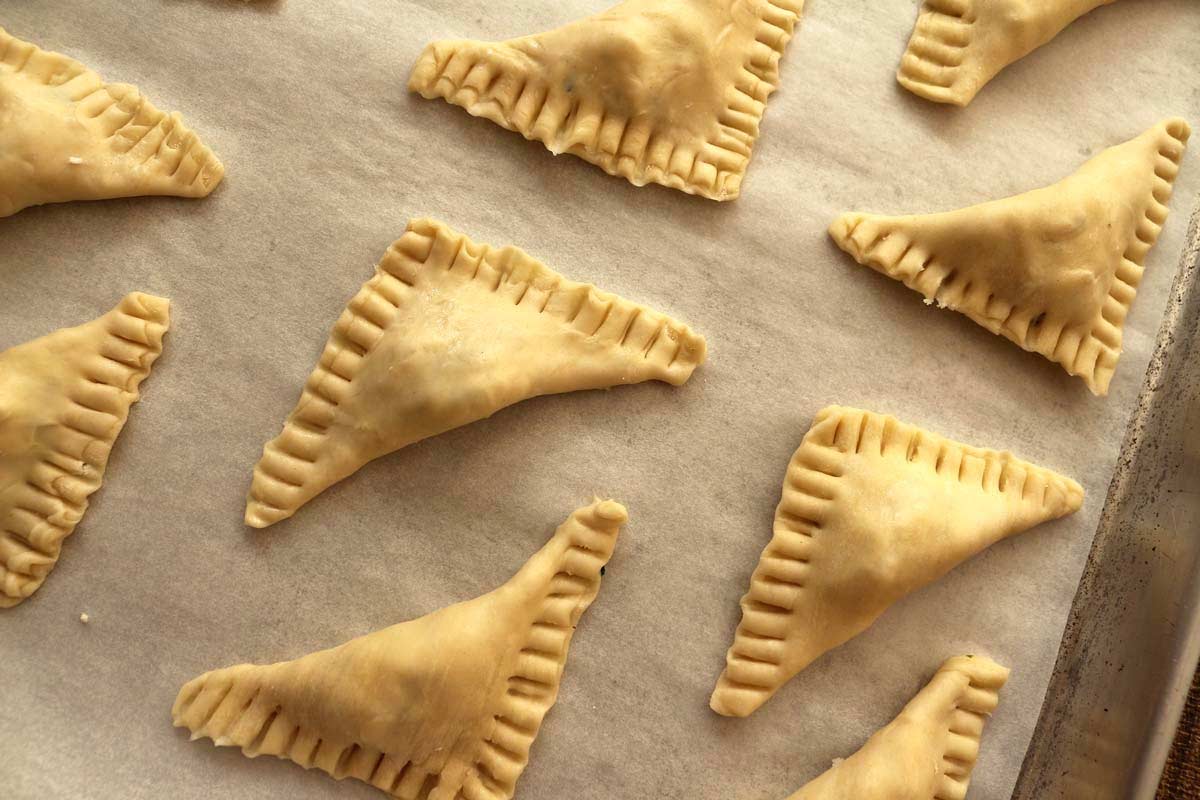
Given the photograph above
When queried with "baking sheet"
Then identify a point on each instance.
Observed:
(1105, 731)
(327, 158)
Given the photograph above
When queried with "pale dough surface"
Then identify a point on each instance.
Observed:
(67, 135)
(1054, 269)
(929, 750)
(665, 92)
(445, 707)
(872, 509)
(957, 46)
(323, 175)
(64, 398)
(446, 333)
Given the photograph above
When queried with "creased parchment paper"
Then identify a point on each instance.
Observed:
(327, 158)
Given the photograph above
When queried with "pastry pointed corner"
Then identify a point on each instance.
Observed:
(935, 94)
(932, 66)
(427, 70)
(259, 515)
(610, 511)
(982, 672)
(841, 230)
(841, 226)
(1064, 498)
(148, 319)
(1177, 128)
(730, 700)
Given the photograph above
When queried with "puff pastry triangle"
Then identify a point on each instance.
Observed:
(445, 707)
(662, 91)
(872, 509)
(1054, 270)
(958, 46)
(449, 332)
(64, 398)
(67, 135)
(929, 751)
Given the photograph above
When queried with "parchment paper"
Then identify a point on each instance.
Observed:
(327, 158)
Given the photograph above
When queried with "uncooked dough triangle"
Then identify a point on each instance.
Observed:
(67, 135)
(872, 509)
(63, 400)
(445, 707)
(449, 332)
(1055, 269)
(958, 46)
(662, 91)
(929, 751)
